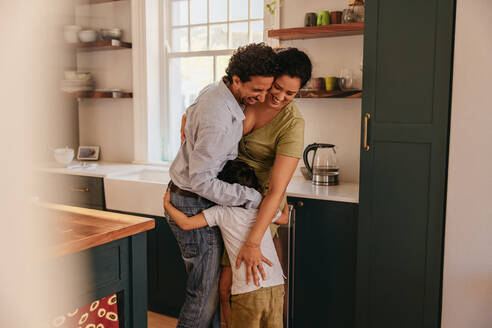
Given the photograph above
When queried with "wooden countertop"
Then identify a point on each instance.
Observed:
(77, 229)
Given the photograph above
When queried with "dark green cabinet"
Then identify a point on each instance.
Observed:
(324, 253)
(408, 47)
(167, 274)
(71, 190)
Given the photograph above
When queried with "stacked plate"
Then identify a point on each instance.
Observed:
(77, 81)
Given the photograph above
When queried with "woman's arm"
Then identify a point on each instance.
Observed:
(282, 171)
(284, 217)
(183, 123)
(184, 222)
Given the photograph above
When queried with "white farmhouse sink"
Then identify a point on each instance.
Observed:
(138, 192)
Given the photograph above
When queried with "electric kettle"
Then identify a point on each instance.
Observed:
(323, 167)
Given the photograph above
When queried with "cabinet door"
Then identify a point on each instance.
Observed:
(167, 274)
(324, 263)
(407, 87)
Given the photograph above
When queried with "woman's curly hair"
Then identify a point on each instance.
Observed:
(254, 59)
(293, 62)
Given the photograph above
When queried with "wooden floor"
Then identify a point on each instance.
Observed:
(157, 320)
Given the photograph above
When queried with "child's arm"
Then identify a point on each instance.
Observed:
(184, 222)
(284, 217)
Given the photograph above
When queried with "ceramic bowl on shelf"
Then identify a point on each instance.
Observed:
(88, 35)
(64, 156)
(77, 76)
(71, 33)
(111, 33)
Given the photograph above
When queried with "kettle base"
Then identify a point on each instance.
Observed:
(326, 180)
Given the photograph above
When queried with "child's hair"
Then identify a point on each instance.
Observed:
(236, 171)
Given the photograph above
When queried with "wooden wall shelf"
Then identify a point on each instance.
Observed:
(99, 95)
(103, 45)
(329, 94)
(91, 2)
(313, 32)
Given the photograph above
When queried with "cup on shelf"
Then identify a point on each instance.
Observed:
(318, 84)
(348, 16)
(71, 33)
(310, 19)
(345, 79)
(330, 83)
(88, 35)
(336, 17)
(323, 18)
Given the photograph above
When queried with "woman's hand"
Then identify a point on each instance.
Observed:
(183, 123)
(282, 171)
(251, 255)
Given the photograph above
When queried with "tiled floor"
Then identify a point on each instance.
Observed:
(157, 320)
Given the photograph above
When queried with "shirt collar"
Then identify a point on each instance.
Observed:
(230, 101)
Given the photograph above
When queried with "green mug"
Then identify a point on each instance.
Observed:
(323, 18)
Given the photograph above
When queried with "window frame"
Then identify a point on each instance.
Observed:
(151, 23)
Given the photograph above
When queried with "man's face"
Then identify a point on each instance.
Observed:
(253, 91)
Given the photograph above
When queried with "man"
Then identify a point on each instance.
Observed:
(213, 130)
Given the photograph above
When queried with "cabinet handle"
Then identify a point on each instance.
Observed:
(80, 189)
(366, 118)
(300, 204)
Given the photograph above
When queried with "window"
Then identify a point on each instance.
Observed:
(201, 35)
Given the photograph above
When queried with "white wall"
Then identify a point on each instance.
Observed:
(335, 121)
(56, 116)
(467, 281)
(107, 122)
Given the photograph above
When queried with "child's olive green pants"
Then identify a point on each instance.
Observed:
(261, 308)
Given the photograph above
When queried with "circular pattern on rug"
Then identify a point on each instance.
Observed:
(102, 313)
(111, 316)
(94, 305)
(58, 321)
(112, 300)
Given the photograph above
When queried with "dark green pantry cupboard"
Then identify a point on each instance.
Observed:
(408, 53)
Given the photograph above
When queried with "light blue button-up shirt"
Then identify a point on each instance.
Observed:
(214, 127)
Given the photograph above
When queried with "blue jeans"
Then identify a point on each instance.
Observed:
(201, 250)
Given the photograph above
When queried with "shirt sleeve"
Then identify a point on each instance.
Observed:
(209, 155)
(291, 141)
(213, 215)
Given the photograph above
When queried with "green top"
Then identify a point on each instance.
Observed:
(283, 135)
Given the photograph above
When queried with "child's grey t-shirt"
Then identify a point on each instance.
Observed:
(235, 224)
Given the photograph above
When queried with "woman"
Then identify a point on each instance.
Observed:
(272, 143)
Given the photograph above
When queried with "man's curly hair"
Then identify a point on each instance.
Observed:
(254, 59)
(293, 62)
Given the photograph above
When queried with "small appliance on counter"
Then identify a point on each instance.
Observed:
(323, 167)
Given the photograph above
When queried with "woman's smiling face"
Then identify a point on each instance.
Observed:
(283, 90)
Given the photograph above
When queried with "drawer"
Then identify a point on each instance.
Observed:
(72, 190)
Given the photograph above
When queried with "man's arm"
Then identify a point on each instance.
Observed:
(184, 222)
(210, 151)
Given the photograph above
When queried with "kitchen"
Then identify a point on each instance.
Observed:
(336, 121)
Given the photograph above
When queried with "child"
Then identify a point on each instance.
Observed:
(252, 306)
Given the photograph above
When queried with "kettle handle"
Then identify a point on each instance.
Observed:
(309, 148)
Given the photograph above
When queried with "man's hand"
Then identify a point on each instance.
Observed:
(251, 255)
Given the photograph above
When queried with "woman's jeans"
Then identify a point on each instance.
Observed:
(201, 250)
